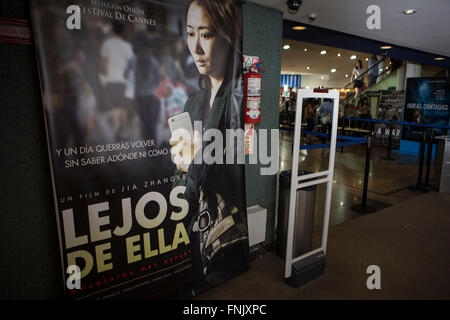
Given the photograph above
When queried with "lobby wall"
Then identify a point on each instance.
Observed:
(29, 247)
(263, 28)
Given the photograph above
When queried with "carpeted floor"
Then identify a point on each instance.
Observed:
(410, 242)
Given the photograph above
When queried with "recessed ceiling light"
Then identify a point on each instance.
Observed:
(323, 52)
(346, 75)
(439, 58)
(367, 59)
(387, 68)
(409, 11)
(353, 57)
(299, 28)
(321, 77)
(333, 70)
(339, 54)
(286, 46)
(385, 47)
(306, 49)
(307, 68)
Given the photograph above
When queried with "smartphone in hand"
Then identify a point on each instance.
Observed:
(181, 121)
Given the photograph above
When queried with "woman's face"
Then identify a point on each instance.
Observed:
(207, 48)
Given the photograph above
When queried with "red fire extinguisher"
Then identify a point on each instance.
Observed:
(252, 87)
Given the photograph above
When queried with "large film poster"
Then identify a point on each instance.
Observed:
(138, 215)
(427, 101)
(390, 107)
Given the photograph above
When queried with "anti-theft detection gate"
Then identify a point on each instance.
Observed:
(299, 270)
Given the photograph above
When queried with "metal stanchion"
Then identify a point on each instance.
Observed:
(426, 184)
(388, 156)
(363, 208)
(418, 186)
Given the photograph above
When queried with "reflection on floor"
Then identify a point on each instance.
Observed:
(407, 240)
(388, 180)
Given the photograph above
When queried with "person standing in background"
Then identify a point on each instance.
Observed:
(144, 72)
(326, 115)
(309, 116)
(115, 54)
(357, 77)
(365, 114)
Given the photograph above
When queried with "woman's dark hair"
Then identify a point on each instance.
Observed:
(224, 19)
(226, 23)
(360, 64)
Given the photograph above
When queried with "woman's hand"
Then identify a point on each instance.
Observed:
(184, 148)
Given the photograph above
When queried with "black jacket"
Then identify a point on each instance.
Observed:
(225, 179)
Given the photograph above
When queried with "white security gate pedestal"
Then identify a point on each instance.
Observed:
(301, 269)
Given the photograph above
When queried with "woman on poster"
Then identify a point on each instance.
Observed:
(216, 192)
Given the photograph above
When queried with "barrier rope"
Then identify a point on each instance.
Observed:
(349, 141)
(399, 122)
(339, 144)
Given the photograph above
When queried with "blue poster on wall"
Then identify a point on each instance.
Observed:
(291, 80)
(427, 101)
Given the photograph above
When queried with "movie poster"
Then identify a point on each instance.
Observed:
(427, 101)
(390, 107)
(139, 216)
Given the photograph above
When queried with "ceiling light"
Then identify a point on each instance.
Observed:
(321, 77)
(367, 59)
(339, 54)
(346, 75)
(353, 57)
(409, 11)
(439, 58)
(286, 46)
(307, 87)
(323, 52)
(333, 70)
(299, 28)
(307, 68)
(306, 49)
(385, 47)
